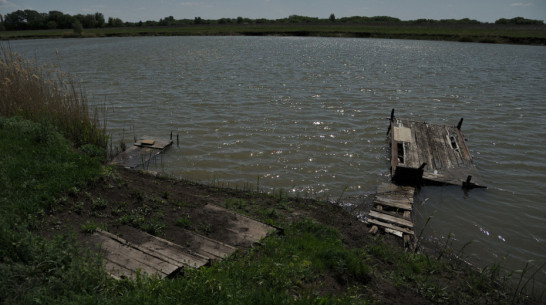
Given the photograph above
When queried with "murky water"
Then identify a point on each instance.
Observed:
(308, 115)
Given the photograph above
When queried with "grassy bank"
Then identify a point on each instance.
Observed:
(50, 194)
(488, 33)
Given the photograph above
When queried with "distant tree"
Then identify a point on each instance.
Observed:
(114, 22)
(63, 21)
(51, 25)
(518, 20)
(167, 21)
(198, 20)
(99, 17)
(77, 27)
(332, 18)
(239, 20)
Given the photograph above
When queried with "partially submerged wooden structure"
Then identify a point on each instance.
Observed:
(424, 153)
(141, 152)
(421, 154)
(136, 252)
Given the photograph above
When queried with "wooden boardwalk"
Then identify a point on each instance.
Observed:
(391, 211)
(425, 153)
(141, 152)
(136, 252)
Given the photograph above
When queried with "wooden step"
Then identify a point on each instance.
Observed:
(389, 218)
(124, 259)
(399, 203)
(390, 226)
(244, 231)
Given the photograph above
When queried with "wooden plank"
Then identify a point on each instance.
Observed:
(163, 249)
(205, 246)
(392, 203)
(394, 232)
(390, 226)
(131, 257)
(396, 220)
(246, 230)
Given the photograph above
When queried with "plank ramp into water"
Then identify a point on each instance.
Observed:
(424, 153)
(141, 152)
(391, 211)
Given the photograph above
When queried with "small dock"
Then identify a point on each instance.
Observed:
(128, 251)
(141, 152)
(430, 154)
(421, 154)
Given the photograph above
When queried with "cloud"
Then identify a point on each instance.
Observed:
(6, 3)
(520, 4)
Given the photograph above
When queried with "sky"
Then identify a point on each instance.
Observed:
(143, 10)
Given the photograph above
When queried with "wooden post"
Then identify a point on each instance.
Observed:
(460, 124)
(391, 120)
(176, 139)
(171, 135)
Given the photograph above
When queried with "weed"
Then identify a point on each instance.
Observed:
(184, 222)
(99, 204)
(39, 93)
(89, 227)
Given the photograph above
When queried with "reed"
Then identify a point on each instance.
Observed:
(42, 93)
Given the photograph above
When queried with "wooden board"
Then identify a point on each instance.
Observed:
(245, 231)
(389, 218)
(123, 259)
(402, 203)
(390, 226)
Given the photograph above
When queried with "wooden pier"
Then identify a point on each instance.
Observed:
(430, 154)
(141, 152)
(421, 154)
(128, 251)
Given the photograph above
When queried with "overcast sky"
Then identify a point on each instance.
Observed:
(137, 10)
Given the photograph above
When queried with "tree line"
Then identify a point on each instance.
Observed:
(33, 20)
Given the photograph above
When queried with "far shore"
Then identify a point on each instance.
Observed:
(480, 33)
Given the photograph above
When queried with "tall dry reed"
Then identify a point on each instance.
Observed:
(42, 93)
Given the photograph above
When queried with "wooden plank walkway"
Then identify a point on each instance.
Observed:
(425, 153)
(135, 251)
(142, 151)
(391, 211)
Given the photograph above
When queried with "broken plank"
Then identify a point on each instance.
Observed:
(119, 252)
(246, 230)
(385, 217)
(390, 226)
(399, 204)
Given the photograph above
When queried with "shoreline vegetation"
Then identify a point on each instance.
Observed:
(30, 24)
(56, 189)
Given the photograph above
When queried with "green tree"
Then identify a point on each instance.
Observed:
(77, 27)
(332, 18)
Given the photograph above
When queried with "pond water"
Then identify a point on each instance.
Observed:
(308, 115)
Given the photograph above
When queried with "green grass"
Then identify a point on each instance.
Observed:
(492, 33)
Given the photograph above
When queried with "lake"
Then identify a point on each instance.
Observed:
(307, 115)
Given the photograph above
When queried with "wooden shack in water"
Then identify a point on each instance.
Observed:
(430, 154)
